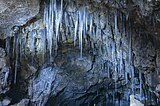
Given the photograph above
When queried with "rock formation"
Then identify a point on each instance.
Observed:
(85, 52)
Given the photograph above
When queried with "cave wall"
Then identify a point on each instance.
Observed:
(16, 13)
(136, 44)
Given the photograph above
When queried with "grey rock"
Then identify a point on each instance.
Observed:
(23, 102)
(145, 7)
(4, 72)
(16, 13)
(4, 83)
(153, 78)
(2, 63)
(142, 47)
(158, 59)
(158, 88)
(5, 102)
(71, 81)
(41, 86)
(2, 53)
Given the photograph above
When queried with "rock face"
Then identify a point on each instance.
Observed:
(72, 81)
(16, 13)
(41, 86)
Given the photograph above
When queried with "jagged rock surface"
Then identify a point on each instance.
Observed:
(72, 81)
(16, 13)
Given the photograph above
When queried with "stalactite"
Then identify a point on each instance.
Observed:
(70, 25)
(107, 34)
(85, 25)
(115, 23)
(126, 76)
(32, 46)
(97, 25)
(132, 79)
(58, 19)
(80, 31)
(43, 43)
(121, 62)
(116, 76)
(130, 56)
(24, 46)
(16, 56)
(8, 42)
(108, 70)
(140, 84)
(6, 76)
(107, 26)
(49, 34)
(91, 25)
(113, 51)
(75, 30)
(66, 23)
(86, 21)
(14, 45)
(20, 49)
(53, 14)
(130, 46)
(122, 25)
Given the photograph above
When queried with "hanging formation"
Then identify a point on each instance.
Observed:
(80, 25)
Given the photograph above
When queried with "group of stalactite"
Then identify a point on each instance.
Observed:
(84, 27)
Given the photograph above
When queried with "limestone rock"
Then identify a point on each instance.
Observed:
(42, 85)
(16, 13)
